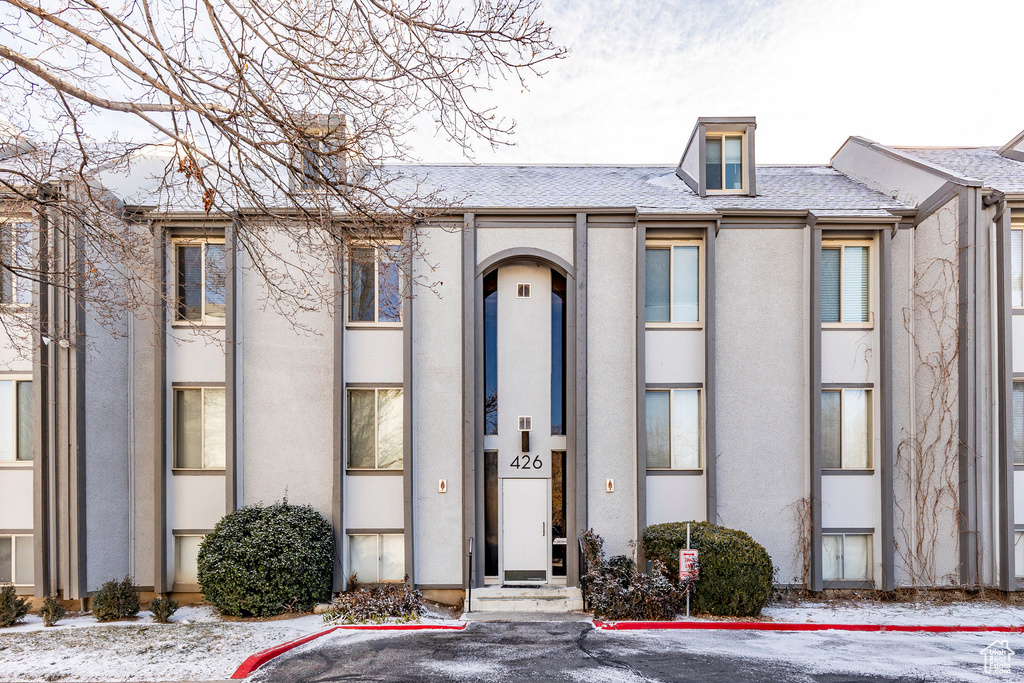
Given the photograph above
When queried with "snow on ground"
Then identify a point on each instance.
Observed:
(967, 613)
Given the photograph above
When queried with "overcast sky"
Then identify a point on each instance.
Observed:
(813, 72)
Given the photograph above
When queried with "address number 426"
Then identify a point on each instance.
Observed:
(524, 462)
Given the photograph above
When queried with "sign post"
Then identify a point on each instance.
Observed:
(688, 567)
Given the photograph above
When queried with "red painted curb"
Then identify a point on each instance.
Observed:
(782, 626)
(260, 658)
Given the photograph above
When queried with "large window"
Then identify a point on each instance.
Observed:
(16, 251)
(723, 162)
(199, 282)
(672, 283)
(376, 429)
(1018, 422)
(845, 292)
(1017, 265)
(375, 294)
(846, 428)
(15, 420)
(16, 560)
(846, 557)
(186, 558)
(673, 429)
(200, 432)
(377, 557)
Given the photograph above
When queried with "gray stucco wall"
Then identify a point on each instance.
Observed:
(437, 411)
(287, 384)
(762, 366)
(611, 389)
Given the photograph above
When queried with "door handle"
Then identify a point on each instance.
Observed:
(543, 529)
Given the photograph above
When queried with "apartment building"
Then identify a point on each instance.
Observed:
(821, 356)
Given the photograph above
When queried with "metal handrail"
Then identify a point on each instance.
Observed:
(469, 597)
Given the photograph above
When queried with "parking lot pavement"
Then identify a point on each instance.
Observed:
(576, 652)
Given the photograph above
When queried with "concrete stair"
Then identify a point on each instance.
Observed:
(526, 599)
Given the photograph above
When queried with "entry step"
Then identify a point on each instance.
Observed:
(530, 599)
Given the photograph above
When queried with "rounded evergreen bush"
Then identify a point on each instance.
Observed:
(261, 560)
(736, 572)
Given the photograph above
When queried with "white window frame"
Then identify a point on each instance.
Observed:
(376, 429)
(204, 319)
(16, 463)
(380, 557)
(5, 225)
(842, 561)
(202, 427)
(177, 556)
(701, 283)
(744, 163)
(10, 538)
(869, 392)
(303, 181)
(841, 244)
(1016, 225)
(376, 322)
(700, 421)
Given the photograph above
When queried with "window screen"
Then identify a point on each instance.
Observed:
(1017, 266)
(657, 277)
(713, 163)
(855, 284)
(830, 259)
(685, 284)
(658, 444)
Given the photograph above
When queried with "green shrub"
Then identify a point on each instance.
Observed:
(12, 608)
(52, 610)
(616, 590)
(162, 609)
(116, 600)
(261, 560)
(736, 573)
(376, 604)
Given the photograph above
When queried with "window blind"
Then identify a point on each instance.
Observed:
(190, 279)
(855, 284)
(831, 430)
(830, 285)
(713, 163)
(188, 432)
(686, 284)
(658, 447)
(1018, 422)
(656, 285)
(1017, 266)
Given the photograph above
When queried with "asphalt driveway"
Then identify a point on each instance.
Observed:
(577, 652)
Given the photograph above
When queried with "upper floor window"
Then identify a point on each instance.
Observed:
(375, 285)
(1017, 265)
(1018, 424)
(846, 428)
(15, 420)
(845, 279)
(723, 162)
(199, 282)
(673, 429)
(200, 428)
(672, 283)
(15, 252)
(319, 156)
(376, 429)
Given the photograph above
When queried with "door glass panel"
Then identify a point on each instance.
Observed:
(491, 513)
(558, 528)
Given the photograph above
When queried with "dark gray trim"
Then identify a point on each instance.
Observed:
(674, 473)
(160, 582)
(572, 408)
(935, 201)
(752, 170)
(198, 385)
(838, 472)
(702, 160)
(17, 532)
(848, 585)
(20, 464)
(480, 526)
(230, 368)
(176, 472)
(847, 385)
(382, 530)
(848, 530)
(338, 427)
(41, 400)
(814, 383)
(652, 386)
(710, 377)
(967, 519)
(579, 398)
(884, 395)
(1004, 391)
(641, 387)
(78, 467)
(374, 385)
(190, 532)
(470, 491)
(525, 254)
(349, 472)
(408, 452)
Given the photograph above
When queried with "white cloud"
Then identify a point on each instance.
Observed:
(912, 72)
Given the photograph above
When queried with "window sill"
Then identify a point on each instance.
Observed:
(372, 326)
(359, 472)
(185, 324)
(16, 465)
(671, 472)
(847, 326)
(843, 584)
(1015, 311)
(740, 191)
(847, 471)
(673, 326)
(210, 471)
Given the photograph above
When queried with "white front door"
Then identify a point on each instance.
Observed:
(525, 532)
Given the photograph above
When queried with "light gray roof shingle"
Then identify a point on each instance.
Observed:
(982, 163)
(654, 189)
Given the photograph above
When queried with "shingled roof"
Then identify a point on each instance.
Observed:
(981, 163)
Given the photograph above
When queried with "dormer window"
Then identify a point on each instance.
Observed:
(723, 162)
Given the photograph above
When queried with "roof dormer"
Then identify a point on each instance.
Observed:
(719, 158)
(1014, 149)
